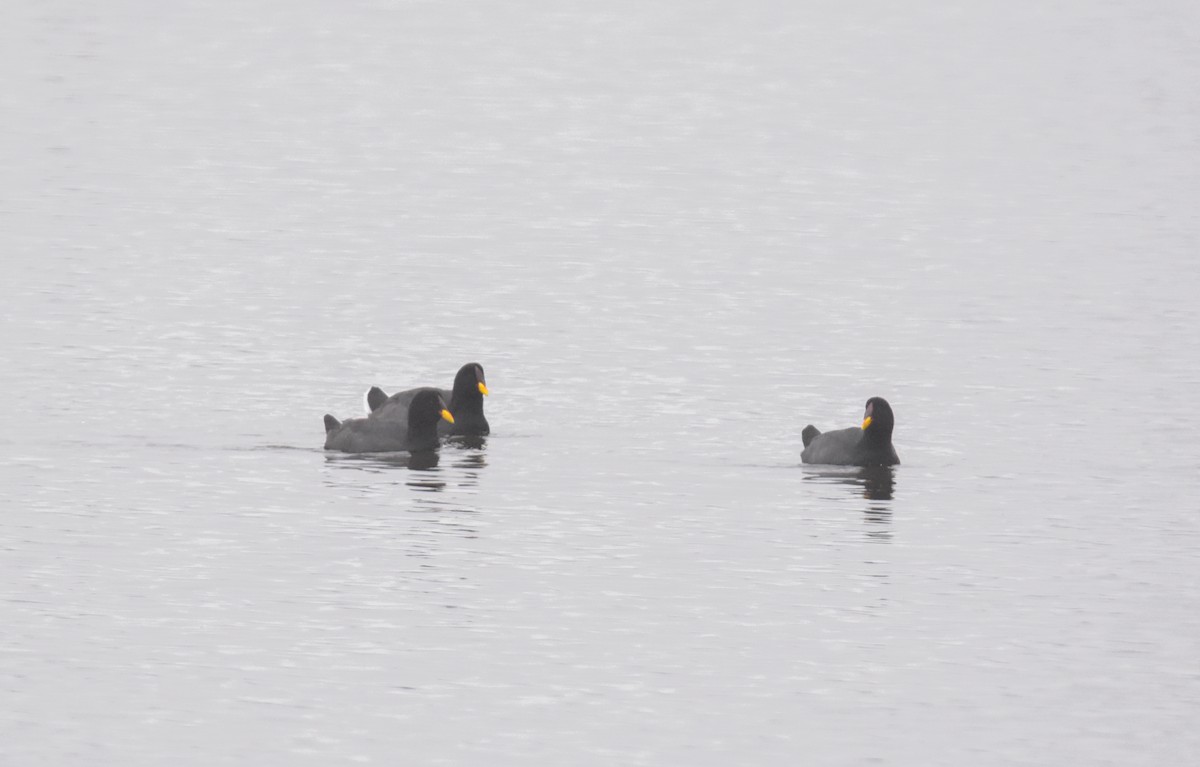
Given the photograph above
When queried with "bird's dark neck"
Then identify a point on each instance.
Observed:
(469, 401)
(877, 438)
(422, 434)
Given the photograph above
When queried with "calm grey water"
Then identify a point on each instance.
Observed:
(674, 234)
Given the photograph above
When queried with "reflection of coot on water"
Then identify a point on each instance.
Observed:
(878, 482)
(874, 483)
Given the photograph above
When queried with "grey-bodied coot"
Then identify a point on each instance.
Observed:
(417, 431)
(870, 445)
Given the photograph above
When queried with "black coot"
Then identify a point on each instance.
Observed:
(466, 403)
(417, 431)
(869, 446)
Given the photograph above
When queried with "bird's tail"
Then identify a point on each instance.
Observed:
(808, 435)
(375, 398)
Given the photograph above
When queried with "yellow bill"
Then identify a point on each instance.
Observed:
(483, 389)
(446, 416)
(866, 422)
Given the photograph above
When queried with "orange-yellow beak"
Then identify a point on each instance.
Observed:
(446, 416)
(483, 388)
(866, 422)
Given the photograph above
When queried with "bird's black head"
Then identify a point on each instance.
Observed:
(878, 420)
(425, 410)
(469, 384)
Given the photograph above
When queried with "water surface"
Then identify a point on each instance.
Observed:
(674, 235)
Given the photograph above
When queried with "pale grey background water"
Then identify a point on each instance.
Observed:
(673, 233)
